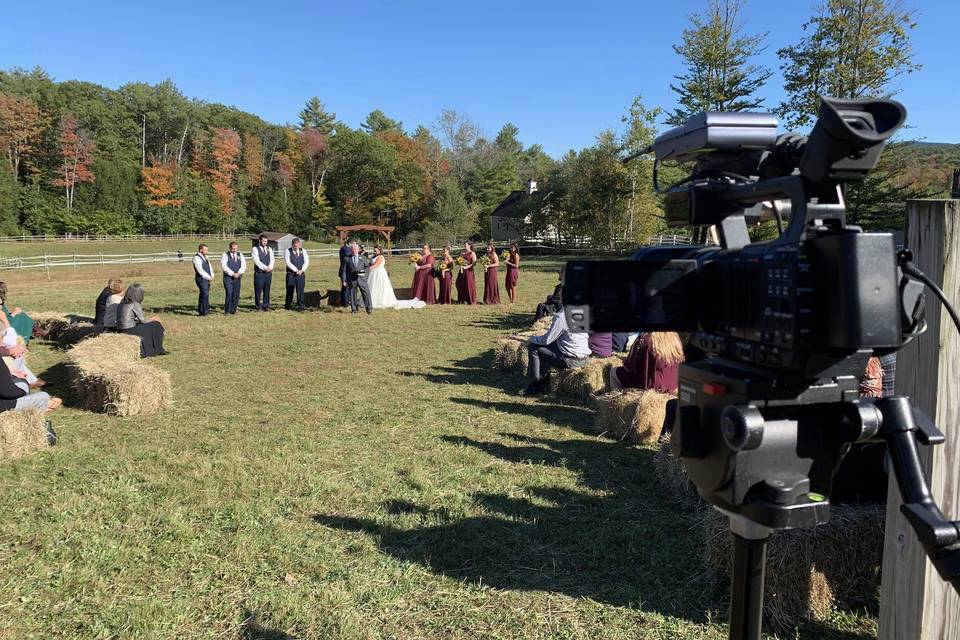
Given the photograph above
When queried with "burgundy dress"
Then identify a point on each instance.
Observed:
(513, 276)
(642, 370)
(466, 282)
(446, 284)
(491, 286)
(423, 287)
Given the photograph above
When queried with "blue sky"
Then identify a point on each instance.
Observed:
(561, 71)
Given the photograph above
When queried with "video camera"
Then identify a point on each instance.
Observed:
(779, 333)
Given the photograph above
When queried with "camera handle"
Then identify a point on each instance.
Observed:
(901, 426)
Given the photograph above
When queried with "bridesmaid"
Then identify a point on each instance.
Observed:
(466, 284)
(424, 289)
(513, 272)
(446, 278)
(491, 285)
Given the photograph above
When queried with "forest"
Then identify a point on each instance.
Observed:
(78, 157)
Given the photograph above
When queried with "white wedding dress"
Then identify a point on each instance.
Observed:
(381, 290)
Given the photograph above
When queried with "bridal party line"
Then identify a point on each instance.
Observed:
(434, 281)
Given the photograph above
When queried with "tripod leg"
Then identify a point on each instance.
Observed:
(746, 589)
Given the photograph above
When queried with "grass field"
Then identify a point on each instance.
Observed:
(96, 247)
(324, 475)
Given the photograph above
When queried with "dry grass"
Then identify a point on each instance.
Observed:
(635, 415)
(810, 572)
(673, 477)
(21, 433)
(585, 382)
(107, 375)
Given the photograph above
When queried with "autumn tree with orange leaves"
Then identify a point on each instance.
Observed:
(76, 152)
(158, 185)
(224, 154)
(21, 127)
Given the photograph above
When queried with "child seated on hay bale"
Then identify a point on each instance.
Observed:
(557, 349)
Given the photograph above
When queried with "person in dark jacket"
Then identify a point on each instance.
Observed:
(100, 308)
(130, 319)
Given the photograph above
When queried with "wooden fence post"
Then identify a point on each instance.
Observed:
(915, 603)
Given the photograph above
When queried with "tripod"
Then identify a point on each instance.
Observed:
(900, 425)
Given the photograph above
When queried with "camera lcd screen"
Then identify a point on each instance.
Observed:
(631, 295)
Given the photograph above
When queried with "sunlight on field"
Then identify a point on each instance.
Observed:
(324, 475)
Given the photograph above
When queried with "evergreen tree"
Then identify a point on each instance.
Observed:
(315, 116)
(453, 219)
(716, 53)
(379, 122)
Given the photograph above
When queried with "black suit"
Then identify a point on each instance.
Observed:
(354, 273)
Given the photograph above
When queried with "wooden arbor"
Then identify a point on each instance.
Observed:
(385, 232)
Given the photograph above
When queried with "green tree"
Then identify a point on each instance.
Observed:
(716, 54)
(853, 49)
(453, 219)
(379, 122)
(315, 116)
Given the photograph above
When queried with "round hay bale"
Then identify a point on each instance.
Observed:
(673, 477)
(584, 382)
(637, 415)
(811, 572)
(22, 433)
(128, 390)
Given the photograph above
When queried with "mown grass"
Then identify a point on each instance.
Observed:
(324, 475)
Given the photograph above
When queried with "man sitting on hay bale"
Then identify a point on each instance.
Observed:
(558, 348)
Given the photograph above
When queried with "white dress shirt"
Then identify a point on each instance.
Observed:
(226, 269)
(572, 345)
(255, 255)
(290, 265)
(198, 261)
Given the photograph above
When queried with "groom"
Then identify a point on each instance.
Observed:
(353, 276)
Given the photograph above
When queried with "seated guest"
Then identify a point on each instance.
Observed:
(130, 319)
(20, 321)
(557, 349)
(15, 395)
(14, 355)
(653, 363)
(621, 342)
(101, 305)
(601, 344)
(111, 304)
(552, 304)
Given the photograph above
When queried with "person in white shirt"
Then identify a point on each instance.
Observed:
(297, 263)
(203, 275)
(263, 260)
(233, 264)
(558, 349)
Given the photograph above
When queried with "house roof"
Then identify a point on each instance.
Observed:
(273, 235)
(508, 208)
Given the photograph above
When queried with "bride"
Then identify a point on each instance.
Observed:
(381, 290)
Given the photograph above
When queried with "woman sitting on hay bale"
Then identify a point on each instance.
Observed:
(558, 348)
(653, 363)
(15, 394)
(105, 316)
(20, 321)
(130, 319)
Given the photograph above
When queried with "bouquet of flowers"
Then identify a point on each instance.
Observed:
(440, 267)
(505, 255)
(415, 257)
(485, 261)
(461, 262)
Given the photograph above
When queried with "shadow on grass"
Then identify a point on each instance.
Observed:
(58, 384)
(572, 416)
(475, 370)
(620, 541)
(512, 321)
(252, 629)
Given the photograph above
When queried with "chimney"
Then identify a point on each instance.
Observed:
(955, 188)
(532, 186)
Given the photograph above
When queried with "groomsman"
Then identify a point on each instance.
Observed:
(297, 263)
(203, 275)
(233, 264)
(345, 253)
(263, 259)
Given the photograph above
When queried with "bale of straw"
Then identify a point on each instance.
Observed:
(63, 329)
(74, 332)
(587, 381)
(673, 478)
(505, 353)
(541, 325)
(637, 415)
(22, 433)
(107, 375)
(811, 572)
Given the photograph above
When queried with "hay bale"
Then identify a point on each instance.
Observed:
(505, 353)
(585, 382)
(673, 477)
(541, 325)
(62, 328)
(811, 572)
(22, 433)
(107, 375)
(637, 415)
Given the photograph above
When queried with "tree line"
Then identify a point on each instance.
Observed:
(144, 158)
